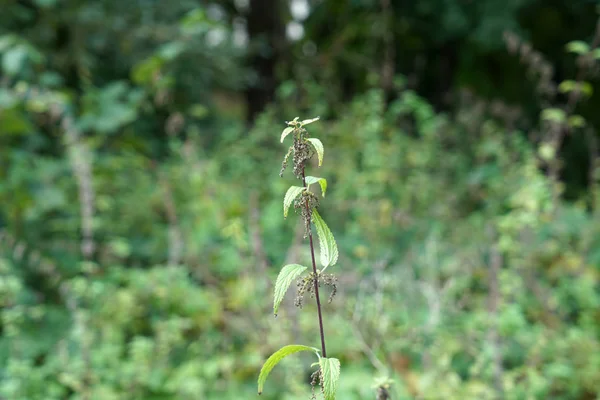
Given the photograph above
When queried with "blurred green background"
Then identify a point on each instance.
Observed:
(141, 223)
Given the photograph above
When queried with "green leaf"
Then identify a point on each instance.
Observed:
(309, 121)
(596, 53)
(322, 182)
(284, 280)
(586, 88)
(327, 245)
(567, 86)
(316, 143)
(6, 41)
(290, 195)
(286, 132)
(576, 121)
(578, 47)
(546, 151)
(14, 59)
(554, 115)
(143, 73)
(570, 85)
(276, 358)
(330, 368)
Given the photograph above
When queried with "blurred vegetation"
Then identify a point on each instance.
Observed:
(140, 207)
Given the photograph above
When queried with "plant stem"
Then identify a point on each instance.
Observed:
(314, 265)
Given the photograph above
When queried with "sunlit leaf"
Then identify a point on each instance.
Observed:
(567, 86)
(546, 151)
(309, 121)
(570, 85)
(276, 358)
(554, 115)
(284, 280)
(290, 196)
(576, 121)
(578, 47)
(286, 132)
(318, 145)
(327, 244)
(330, 368)
(322, 182)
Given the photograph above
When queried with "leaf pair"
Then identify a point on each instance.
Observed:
(294, 191)
(316, 143)
(295, 124)
(328, 249)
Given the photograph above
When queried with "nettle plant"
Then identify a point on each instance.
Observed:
(306, 202)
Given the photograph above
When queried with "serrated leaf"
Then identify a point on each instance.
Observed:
(318, 145)
(327, 245)
(309, 121)
(290, 196)
(330, 368)
(284, 280)
(578, 47)
(276, 358)
(286, 132)
(322, 182)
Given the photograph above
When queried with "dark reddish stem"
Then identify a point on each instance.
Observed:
(314, 265)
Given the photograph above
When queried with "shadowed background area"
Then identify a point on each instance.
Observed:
(141, 221)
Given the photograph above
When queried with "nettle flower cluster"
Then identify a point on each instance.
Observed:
(306, 203)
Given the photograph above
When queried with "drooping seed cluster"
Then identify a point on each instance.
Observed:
(284, 164)
(303, 151)
(331, 281)
(315, 380)
(307, 284)
(306, 212)
(382, 393)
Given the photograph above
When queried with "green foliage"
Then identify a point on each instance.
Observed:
(321, 181)
(289, 198)
(578, 47)
(286, 132)
(276, 357)
(284, 280)
(318, 146)
(123, 123)
(327, 244)
(330, 370)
